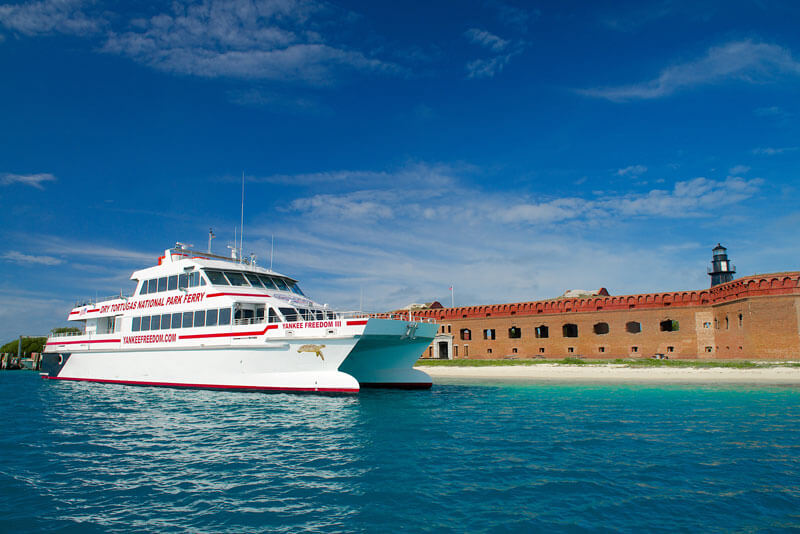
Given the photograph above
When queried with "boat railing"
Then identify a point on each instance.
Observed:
(90, 301)
(397, 316)
(335, 316)
(65, 334)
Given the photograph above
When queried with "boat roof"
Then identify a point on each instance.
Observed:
(184, 257)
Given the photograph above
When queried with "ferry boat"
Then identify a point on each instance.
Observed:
(199, 320)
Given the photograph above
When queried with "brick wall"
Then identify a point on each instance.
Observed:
(754, 317)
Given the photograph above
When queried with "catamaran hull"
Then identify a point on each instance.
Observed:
(382, 356)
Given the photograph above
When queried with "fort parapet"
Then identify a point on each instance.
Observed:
(755, 317)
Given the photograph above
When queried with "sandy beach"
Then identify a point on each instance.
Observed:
(623, 374)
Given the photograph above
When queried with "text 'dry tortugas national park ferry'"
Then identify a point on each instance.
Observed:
(204, 321)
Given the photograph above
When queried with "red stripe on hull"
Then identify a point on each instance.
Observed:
(205, 386)
(356, 323)
(396, 385)
(212, 295)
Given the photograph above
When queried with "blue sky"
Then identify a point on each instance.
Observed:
(513, 150)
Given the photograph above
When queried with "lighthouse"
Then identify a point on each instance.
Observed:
(721, 270)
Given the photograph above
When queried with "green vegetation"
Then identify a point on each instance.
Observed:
(638, 362)
(29, 344)
(66, 330)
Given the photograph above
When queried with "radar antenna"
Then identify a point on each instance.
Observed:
(210, 237)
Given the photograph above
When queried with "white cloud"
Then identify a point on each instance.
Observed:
(692, 198)
(773, 151)
(366, 206)
(486, 39)
(769, 111)
(426, 175)
(50, 16)
(42, 313)
(80, 249)
(402, 243)
(738, 170)
(744, 60)
(260, 39)
(487, 68)
(503, 49)
(33, 180)
(632, 170)
(470, 233)
(244, 39)
(18, 257)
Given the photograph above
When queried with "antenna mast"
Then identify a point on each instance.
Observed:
(210, 237)
(241, 222)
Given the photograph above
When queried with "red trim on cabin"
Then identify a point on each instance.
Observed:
(357, 323)
(230, 334)
(236, 295)
(92, 311)
(74, 312)
(205, 386)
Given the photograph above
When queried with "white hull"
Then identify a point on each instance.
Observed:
(381, 354)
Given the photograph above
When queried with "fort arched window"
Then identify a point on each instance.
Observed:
(727, 323)
(515, 332)
(670, 326)
(632, 327)
(601, 329)
(570, 330)
(466, 334)
(488, 333)
(741, 318)
(541, 332)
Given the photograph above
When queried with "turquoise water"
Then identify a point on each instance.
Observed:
(462, 457)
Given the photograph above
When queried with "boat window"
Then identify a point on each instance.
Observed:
(194, 279)
(253, 279)
(187, 319)
(211, 318)
(225, 316)
(162, 284)
(172, 283)
(183, 281)
(273, 316)
(295, 288)
(267, 281)
(165, 321)
(145, 323)
(176, 320)
(245, 313)
(155, 322)
(320, 314)
(137, 324)
(236, 279)
(151, 286)
(260, 313)
(281, 284)
(200, 318)
(216, 278)
(290, 314)
(331, 315)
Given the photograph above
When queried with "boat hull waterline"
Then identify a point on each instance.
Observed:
(379, 353)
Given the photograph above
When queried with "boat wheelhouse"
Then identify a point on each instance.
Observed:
(201, 320)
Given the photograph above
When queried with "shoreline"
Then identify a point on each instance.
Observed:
(610, 373)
